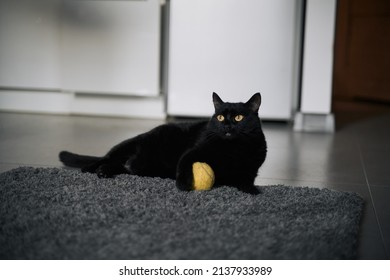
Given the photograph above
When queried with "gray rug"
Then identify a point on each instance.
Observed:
(49, 213)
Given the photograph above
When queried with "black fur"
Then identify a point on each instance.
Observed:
(234, 149)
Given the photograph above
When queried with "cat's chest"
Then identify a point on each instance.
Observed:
(226, 151)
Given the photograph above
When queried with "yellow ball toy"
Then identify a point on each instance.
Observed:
(203, 176)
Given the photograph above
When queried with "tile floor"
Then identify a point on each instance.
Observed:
(355, 158)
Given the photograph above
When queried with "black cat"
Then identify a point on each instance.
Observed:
(231, 142)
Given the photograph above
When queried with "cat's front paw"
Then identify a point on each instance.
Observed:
(184, 181)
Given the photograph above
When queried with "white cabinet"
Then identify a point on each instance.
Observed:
(110, 47)
(235, 48)
(30, 51)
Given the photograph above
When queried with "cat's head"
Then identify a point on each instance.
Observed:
(232, 120)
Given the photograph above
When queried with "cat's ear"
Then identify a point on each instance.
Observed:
(217, 101)
(254, 102)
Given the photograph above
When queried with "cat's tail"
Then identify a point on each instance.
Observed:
(75, 160)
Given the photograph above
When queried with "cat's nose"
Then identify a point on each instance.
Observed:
(228, 130)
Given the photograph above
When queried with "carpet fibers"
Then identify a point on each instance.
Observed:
(50, 213)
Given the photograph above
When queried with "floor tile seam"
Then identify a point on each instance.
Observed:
(372, 200)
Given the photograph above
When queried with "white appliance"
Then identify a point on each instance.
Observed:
(235, 48)
(81, 57)
(111, 47)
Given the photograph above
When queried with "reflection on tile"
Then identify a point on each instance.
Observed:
(376, 163)
(37, 139)
(326, 163)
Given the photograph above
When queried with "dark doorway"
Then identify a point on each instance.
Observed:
(361, 81)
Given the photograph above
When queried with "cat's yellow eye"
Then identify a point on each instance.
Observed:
(220, 118)
(238, 118)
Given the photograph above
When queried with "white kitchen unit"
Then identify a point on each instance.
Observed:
(30, 51)
(111, 47)
(235, 48)
(81, 57)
